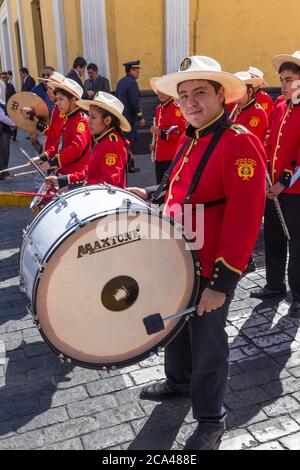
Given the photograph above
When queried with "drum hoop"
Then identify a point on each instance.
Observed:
(171, 335)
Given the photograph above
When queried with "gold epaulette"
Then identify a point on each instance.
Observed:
(113, 137)
(238, 129)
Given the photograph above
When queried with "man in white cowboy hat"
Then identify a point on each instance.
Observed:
(6, 125)
(222, 166)
(71, 153)
(262, 97)
(167, 130)
(283, 152)
(250, 113)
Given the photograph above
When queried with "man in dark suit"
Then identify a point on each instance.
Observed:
(27, 81)
(129, 94)
(9, 88)
(77, 72)
(95, 82)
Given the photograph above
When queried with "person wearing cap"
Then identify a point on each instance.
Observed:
(6, 126)
(283, 152)
(168, 128)
(261, 96)
(221, 166)
(71, 153)
(129, 94)
(108, 159)
(250, 113)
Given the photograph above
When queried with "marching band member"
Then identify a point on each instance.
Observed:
(222, 166)
(170, 125)
(250, 113)
(262, 97)
(108, 159)
(283, 152)
(70, 154)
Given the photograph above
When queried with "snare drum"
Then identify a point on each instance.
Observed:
(94, 263)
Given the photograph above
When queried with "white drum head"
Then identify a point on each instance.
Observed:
(97, 288)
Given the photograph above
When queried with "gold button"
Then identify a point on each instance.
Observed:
(171, 197)
(177, 178)
(186, 159)
(275, 171)
(216, 276)
(212, 283)
(217, 270)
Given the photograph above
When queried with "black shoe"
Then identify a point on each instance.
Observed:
(264, 293)
(203, 439)
(134, 170)
(161, 390)
(294, 310)
(251, 267)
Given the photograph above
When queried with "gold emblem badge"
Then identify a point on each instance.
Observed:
(265, 106)
(111, 159)
(185, 64)
(178, 113)
(81, 127)
(254, 121)
(246, 168)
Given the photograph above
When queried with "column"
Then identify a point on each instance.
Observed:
(94, 33)
(176, 33)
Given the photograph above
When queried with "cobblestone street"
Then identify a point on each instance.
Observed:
(45, 404)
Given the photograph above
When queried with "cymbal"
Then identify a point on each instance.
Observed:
(26, 99)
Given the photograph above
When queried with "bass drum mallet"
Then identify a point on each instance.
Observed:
(155, 323)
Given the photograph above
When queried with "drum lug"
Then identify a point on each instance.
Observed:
(27, 238)
(160, 349)
(79, 222)
(86, 192)
(22, 284)
(29, 309)
(62, 201)
(152, 354)
(109, 188)
(37, 259)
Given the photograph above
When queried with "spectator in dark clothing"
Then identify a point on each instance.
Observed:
(95, 82)
(78, 72)
(41, 89)
(128, 92)
(27, 81)
(6, 125)
(9, 88)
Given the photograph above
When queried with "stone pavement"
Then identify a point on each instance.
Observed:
(48, 405)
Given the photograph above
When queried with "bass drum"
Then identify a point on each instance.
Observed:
(94, 263)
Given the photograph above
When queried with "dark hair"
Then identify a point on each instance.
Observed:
(63, 92)
(48, 67)
(115, 122)
(79, 62)
(24, 70)
(289, 66)
(251, 87)
(216, 86)
(9, 72)
(4, 73)
(93, 67)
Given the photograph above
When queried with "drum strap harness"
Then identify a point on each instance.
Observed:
(201, 167)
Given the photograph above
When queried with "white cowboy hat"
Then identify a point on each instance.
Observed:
(278, 60)
(110, 103)
(257, 73)
(59, 81)
(153, 84)
(202, 68)
(2, 93)
(248, 79)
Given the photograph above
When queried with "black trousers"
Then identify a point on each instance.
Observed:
(4, 153)
(277, 246)
(161, 168)
(197, 360)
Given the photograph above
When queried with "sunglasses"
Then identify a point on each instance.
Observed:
(46, 75)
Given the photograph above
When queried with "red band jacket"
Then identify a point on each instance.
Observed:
(108, 160)
(266, 102)
(235, 178)
(168, 115)
(254, 118)
(283, 145)
(53, 131)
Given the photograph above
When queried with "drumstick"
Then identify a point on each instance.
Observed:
(26, 173)
(33, 163)
(155, 323)
(15, 168)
